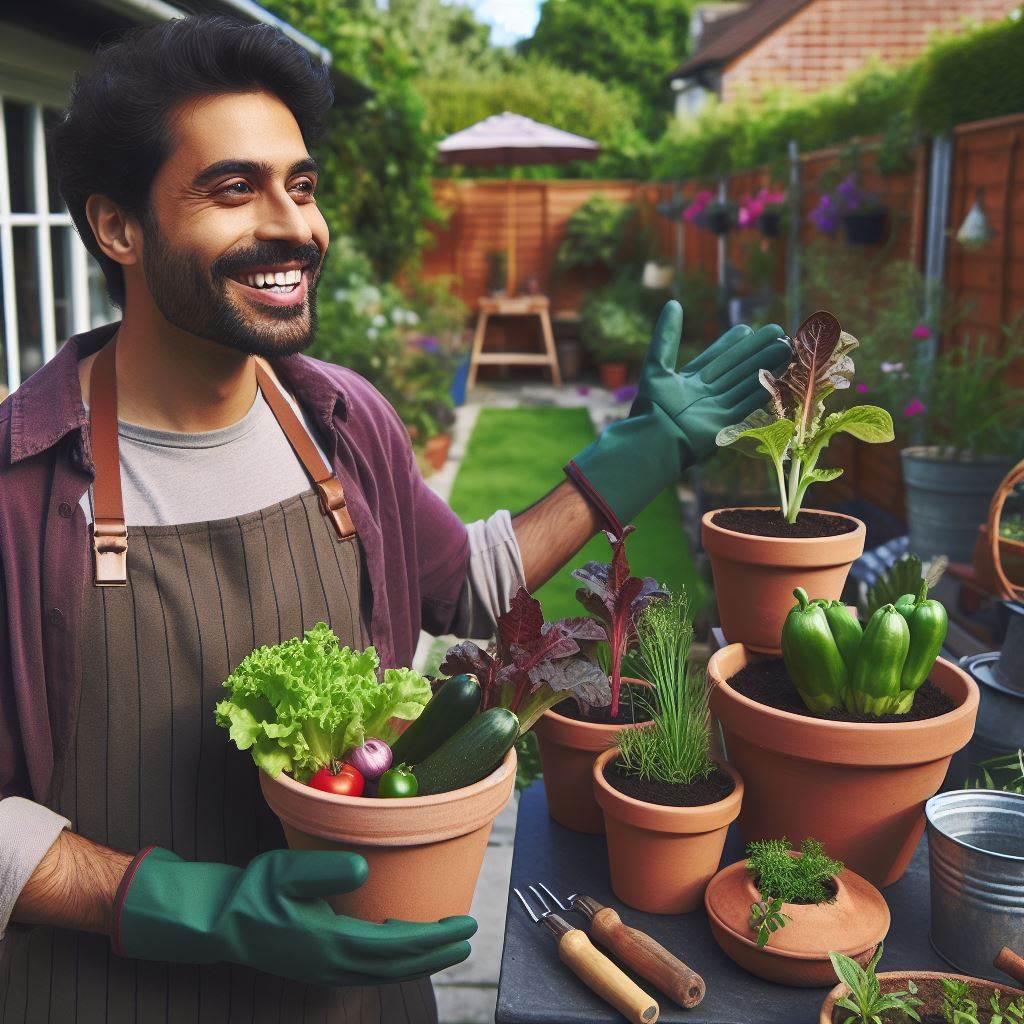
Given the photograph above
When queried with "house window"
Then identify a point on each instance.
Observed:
(50, 288)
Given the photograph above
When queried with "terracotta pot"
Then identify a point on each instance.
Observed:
(858, 787)
(797, 954)
(755, 576)
(613, 375)
(893, 981)
(568, 750)
(662, 858)
(435, 451)
(410, 845)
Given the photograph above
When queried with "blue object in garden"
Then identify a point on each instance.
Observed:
(458, 389)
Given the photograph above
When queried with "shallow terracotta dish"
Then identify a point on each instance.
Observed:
(892, 981)
(568, 749)
(755, 576)
(662, 858)
(797, 954)
(858, 787)
(424, 852)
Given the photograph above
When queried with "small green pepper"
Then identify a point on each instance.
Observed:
(928, 623)
(845, 630)
(398, 782)
(811, 655)
(875, 680)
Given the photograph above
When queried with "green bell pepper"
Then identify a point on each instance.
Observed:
(928, 623)
(812, 655)
(875, 680)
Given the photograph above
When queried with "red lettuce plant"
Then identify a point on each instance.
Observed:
(616, 598)
(534, 663)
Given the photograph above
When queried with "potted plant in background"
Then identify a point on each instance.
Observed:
(571, 736)
(860, 211)
(758, 555)
(719, 216)
(966, 404)
(781, 912)
(594, 236)
(615, 328)
(667, 805)
(847, 734)
(764, 209)
(497, 272)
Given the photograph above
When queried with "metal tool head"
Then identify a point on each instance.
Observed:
(555, 924)
(554, 898)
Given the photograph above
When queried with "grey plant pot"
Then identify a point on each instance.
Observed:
(976, 860)
(948, 499)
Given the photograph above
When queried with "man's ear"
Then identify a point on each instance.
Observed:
(116, 231)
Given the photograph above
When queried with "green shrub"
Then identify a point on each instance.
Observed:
(800, 879)
(593, 234)
(616, 320)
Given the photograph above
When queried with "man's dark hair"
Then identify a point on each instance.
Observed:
(116, 131)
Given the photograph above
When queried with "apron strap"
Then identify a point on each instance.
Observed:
(109, 533)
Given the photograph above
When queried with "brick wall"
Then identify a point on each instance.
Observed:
(828, 39)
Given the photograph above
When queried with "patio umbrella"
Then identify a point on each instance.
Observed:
(511, 139)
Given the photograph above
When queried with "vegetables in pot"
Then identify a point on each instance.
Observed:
(372, 759)
(812, 656)
(928, 622)
(454, 704)
(341, 780)
(471, 754)
(398, 783)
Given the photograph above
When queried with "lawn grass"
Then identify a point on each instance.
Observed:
(515, 456)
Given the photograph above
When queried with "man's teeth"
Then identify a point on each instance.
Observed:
(280, 279)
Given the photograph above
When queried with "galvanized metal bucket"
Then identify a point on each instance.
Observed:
(976, 853)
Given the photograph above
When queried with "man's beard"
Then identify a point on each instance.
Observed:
(195, 298)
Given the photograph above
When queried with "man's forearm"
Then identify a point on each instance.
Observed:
(550, 532)
(74, 886)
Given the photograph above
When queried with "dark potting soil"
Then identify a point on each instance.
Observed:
(717, 786)
(765, 522)
(768, 682)
(602, 716)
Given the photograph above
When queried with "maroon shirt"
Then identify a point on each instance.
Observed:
(415, 548)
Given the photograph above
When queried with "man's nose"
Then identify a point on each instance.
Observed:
(283, 220)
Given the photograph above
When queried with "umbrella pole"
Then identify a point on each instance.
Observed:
(510, 235)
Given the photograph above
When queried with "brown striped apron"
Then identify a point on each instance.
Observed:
(148, 764)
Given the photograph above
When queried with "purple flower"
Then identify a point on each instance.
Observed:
(862, 388)
(913, 408)
(583, 390)
(824, 216)
(428, 344)
(624, 394)
(922, 332)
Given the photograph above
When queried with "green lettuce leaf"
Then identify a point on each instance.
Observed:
(303, 703)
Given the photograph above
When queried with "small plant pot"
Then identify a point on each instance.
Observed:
(570, 358)
(857, 787)
(662, 858)
(720, 222)
(755, 576)
(929, 984)
(613, 375)
(770, 224)
(435, 451)
(866, 228)
(568, 749)
(410, 845)
(797, 954)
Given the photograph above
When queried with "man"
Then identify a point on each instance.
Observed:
(184, 486)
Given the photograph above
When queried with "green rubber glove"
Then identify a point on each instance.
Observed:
(271, 916)
(676, 416)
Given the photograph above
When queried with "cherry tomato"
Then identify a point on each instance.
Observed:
(398, 782)
(346, 781)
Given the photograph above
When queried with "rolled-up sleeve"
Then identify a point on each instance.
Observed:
(27, 831)
(494, 574)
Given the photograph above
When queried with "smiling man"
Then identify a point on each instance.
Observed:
(183, 486)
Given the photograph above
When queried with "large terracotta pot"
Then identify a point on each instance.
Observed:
(927, 983)
(662, 858)
(613, 375)
(858, 787)
(568, 749)
(755, 576)
(797, 954)
(424, 852)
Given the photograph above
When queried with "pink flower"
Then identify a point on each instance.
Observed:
(862, 388)
(697, 204)
(913, 408)
(921, 332)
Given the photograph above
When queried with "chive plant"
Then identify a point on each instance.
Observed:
(674, 747)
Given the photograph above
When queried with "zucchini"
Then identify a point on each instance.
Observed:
(470, 755)
(454, 704)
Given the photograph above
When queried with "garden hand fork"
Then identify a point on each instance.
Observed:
(592, 967)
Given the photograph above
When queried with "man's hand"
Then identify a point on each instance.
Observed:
(676, 415)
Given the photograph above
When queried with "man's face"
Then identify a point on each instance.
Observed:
(233, 241)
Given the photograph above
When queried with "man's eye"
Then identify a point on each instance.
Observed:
(305, 186)
(236, 188)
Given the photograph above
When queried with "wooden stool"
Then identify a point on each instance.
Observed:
(522, 305)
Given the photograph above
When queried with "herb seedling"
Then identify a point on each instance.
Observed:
(534, 664)
(766, 917)
(794, 427)
(674, 746)
(866, 1001)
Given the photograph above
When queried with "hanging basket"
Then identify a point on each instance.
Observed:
(867, 228)
(770, 224)
(720, 222)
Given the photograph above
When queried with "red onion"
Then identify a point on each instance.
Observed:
(371, 760)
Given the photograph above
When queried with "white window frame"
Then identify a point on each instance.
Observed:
(42, 220)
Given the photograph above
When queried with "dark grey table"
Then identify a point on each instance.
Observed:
(536, 988)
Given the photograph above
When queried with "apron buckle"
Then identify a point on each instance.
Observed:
(333, 504)
(110, 545)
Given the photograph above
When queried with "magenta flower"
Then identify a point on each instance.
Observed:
(583, 390)
(913, 408)
(698, 204)
(922, 332)
(625, 394)
(862, 388)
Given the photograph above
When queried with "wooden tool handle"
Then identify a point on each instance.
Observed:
(1011, 964)
(648, 958)
(600, 975)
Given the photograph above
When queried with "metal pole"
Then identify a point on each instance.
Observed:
(680, 228)
(793, 241)
(936, 225)
(722, 197)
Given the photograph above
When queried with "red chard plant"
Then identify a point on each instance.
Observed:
(534, 664)
(615, 597)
